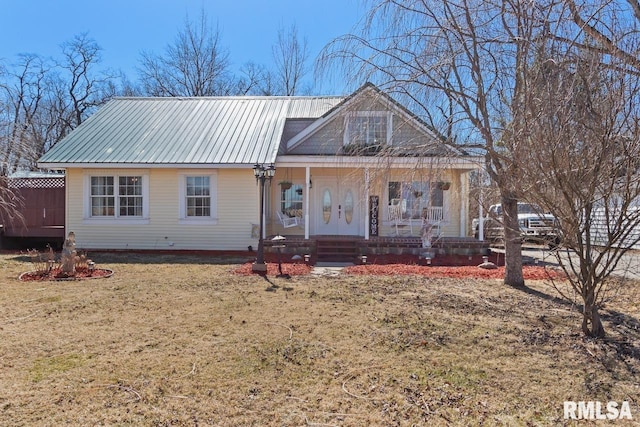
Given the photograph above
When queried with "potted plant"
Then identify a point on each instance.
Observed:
(417, 194)
(444, 185)
(285, 185)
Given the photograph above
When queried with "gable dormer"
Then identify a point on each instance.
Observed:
(364, 124)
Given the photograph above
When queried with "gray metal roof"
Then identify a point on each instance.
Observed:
(185, 131)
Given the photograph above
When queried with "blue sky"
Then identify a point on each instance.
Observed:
(124, 28)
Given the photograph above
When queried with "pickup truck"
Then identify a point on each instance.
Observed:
(535, 226)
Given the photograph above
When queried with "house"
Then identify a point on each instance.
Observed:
(177, 173)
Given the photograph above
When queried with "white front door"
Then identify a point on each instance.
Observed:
(337, 209)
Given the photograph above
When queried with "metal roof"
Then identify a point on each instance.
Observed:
(185, 131)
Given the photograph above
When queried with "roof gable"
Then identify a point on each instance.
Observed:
(369, 97)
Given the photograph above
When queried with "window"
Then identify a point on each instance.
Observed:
(116, 197)
(415, 196)
(197, 194)
(367, 132)
(102, 196)
(130, 192)
(291, 201)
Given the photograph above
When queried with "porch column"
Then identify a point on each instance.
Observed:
(366, 204)
(480, 216)
(464, 212)
(307, 181)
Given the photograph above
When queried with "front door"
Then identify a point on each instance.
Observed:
(337, 208)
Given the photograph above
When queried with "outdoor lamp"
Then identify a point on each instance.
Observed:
(262, 173)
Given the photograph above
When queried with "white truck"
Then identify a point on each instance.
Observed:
(535, 226)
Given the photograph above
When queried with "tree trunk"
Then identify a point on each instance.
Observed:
(512, 243)
(591, 322)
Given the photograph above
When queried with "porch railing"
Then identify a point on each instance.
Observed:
(433, 214)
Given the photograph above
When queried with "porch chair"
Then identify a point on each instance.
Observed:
(434, 217)
(396, 210)
(287, 221)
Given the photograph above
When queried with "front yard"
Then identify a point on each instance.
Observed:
(181, 340)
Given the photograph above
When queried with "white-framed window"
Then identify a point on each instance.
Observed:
(130, 196)
(291, 200)
(198, 198)
(198, 194)
(367, 129)
(102, 194)
(116, 197)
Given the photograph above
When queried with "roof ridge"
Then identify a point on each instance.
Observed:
(226, 97)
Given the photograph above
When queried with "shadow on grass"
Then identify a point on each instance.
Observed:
(545, 296)
(160, 257)
(273, 287)
(625, 345)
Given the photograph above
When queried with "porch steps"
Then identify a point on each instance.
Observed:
(336, 249)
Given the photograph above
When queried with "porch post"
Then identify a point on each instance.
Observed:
(307, 181)
(366, 204)
(463, 189)
(480, 216)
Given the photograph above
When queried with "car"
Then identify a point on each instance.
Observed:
(535, 226)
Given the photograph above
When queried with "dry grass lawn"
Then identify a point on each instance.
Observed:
(183, 341)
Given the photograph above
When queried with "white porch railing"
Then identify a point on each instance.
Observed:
(433, 214)
(400, 218)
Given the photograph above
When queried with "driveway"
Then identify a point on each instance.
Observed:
(629, 265)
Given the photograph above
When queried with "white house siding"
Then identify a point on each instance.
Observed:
(237, 210)
(599, 231)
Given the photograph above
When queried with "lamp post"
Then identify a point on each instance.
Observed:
(279, 244)
(262, 174)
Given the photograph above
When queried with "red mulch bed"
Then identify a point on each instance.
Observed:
(439, 260)
(460, 272)
(454, 266)
(292, 269)
(57, 274)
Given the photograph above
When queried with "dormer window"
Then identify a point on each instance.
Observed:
(367, 130)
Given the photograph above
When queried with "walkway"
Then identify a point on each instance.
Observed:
(329, 268)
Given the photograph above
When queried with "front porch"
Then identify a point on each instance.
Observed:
(352, 248)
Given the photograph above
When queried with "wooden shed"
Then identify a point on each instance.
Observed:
(41, 209)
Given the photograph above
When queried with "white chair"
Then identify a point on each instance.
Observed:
(397, 208)
(287, 221)
(433, 217)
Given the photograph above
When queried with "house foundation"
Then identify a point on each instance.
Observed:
(351, 248)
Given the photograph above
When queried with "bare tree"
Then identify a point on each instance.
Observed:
(194, 65)
(23, 93)
(582, 163)
(607, 28)
(251, 79)
(461, 62)
(84, 85)
(44, 100)
(290, 55)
